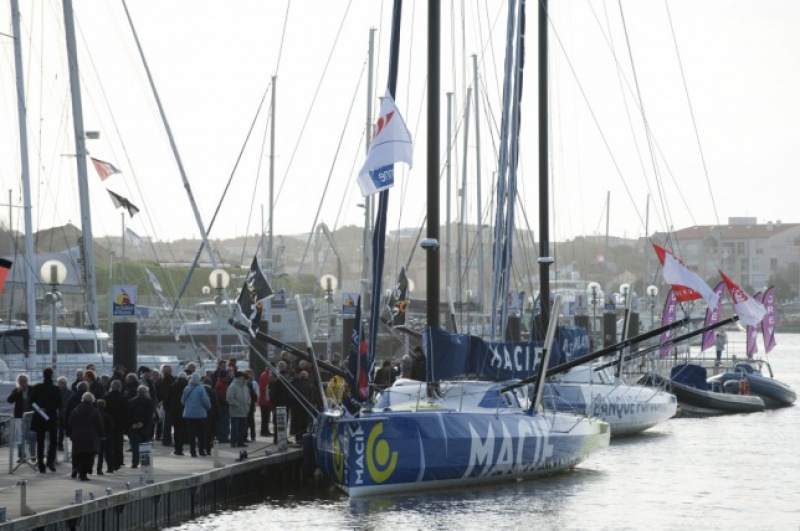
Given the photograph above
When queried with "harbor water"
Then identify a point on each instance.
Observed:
(728, 472)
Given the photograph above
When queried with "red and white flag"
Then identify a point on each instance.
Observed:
(750, 311)
(391, 143)
(104, 169)
(687, 285)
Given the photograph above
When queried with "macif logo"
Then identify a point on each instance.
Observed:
(381, 461)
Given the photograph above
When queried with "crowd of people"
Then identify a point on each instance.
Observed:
(188, 410)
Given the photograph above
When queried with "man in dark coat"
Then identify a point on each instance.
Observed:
(117, 409)
(279, 395)
(164, 386)
(300, 415)
(213, 415)
(174, 408)
(140, 419)
(418, 369)
(46, 401)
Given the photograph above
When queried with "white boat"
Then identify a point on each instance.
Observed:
(628, 409)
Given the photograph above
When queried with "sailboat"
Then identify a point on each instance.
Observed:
(446, 432)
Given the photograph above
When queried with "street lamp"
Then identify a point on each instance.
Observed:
(53, 272)
(219, 280)
(594, 291)
(652, 293)
(624, 290)
(328, 283)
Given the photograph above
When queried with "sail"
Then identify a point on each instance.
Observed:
(450, 355)
(670, 310)
(749, 310)
(712, 317)
(768, 324)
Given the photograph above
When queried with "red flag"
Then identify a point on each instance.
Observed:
(104, 169)
(750, 311)
(5, 268)
(687, 284)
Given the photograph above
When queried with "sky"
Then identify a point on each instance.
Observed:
(716, 82)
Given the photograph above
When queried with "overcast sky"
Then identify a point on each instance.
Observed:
(717, 82)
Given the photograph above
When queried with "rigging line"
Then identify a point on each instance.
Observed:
(221, 199)
(255, 188)
(313, 102)
(330, 176)
(691, 112)
(283, 37)
(595, 120)
(648, 131)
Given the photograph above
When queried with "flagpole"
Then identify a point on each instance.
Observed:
(122, 216)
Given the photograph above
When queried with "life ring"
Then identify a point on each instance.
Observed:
(744, 386)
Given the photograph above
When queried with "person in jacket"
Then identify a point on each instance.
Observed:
(195, 411)
(167, 380)
(213, 416)
(131, 385)
(46, 401)
(252, 386)
(140, 419)
(224, 421)
(238, 398)
(300, 415)
(279, 395)
(86, 426)
(95, 387)
(175, 408)
(264, 403)
(21, 398)
(117, 409)
(106, 450)
(418, 368)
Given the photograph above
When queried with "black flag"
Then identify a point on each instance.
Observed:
(255, 291)
(122, 202)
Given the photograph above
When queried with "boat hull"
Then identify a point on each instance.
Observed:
(705, 402)
(774, 393)
(400, 451)
(628, 409)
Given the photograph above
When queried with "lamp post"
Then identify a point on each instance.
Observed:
(624, 290)
(328, 284)
(594, 291)
(652, 293)
(53, 272)
(219, 280)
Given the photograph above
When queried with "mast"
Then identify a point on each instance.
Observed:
(272, 177)
(30, 255)
(434, 88)
(463, 239)
(87, 249)
(365, 268)
(481, 279)
(544, 171)
(448, 172)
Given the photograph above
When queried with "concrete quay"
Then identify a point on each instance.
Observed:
(183, 488)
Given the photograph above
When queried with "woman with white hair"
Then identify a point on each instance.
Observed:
(196, 403)
(86, 429)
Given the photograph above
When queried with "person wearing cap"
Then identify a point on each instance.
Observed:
(195, 411)
(238, 398)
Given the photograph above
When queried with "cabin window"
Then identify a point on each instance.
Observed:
(276, 318)
(12, 345)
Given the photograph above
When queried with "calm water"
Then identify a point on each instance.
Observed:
(731, 472)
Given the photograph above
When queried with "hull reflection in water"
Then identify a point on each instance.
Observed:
(466, 433)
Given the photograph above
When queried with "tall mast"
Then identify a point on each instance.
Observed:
(30, 255)
(87, 249)
(448, 201)
(272, 177)
(365, 266)
(544, 171)
(461, 267)
(481, 279)
(434, 89)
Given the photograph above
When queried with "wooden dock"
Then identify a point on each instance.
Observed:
(183, 487)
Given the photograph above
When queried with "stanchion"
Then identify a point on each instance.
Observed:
(280, 415)
(24, 510)
(78, 496)
(215, 453)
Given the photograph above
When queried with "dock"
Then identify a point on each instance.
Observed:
(181, 488)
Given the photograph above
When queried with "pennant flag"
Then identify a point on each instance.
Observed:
(686, 283)
(668, 317)
(5, 268)
(749, 310)
(357, 362)
(122, 202)
(398, 302)
(768, 324)
(153, 280)
(255, 291)
(164, 302)
(134, 238)
(713, 316)
(104, 169)
(752, 334)
(391, 143)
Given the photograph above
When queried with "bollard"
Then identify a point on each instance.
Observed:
(108, 491)
(215, 453)
(128, 485)
(78, 496)
(142, 479)
(91, 495)
(2, 514)
(24, 510)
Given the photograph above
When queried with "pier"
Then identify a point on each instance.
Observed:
(181, 488)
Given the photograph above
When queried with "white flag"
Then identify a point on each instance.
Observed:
(685, 282)
(153, 280)
(134, 238)
(750, 311)
(391, 143)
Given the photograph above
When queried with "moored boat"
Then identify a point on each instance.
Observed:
(774, 393)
